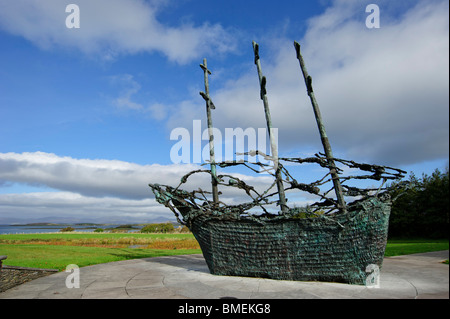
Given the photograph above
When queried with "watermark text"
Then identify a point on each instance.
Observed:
(228, 146)
(373, 279)
(73, 279)
(373, 19)
(73, 19)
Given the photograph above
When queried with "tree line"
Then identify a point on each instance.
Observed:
(421, 210)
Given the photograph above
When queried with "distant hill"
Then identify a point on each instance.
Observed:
(64, 221)
(40, 224)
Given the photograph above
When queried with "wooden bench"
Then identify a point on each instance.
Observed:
(1, 261)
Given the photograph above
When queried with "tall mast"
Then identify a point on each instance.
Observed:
(323, 135)
(273, 145)
(209, 106)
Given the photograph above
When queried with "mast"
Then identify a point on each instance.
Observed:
(273, 146)
(323, 135)
(209, 106)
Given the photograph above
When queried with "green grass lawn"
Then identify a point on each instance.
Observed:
(58, 257)
(92, 236)
(57, 250)
(397, 247)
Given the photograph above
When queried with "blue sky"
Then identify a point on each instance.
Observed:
(86, 114)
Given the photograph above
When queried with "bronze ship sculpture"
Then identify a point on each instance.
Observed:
(330, 240)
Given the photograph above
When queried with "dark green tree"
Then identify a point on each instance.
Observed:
(158, 228)
(422, 209)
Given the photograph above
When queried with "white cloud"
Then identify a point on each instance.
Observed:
(66, 206)
(97, 189)
(112, 27)
(93, 178)
(128, 88)
(383, 92)
(158, 111)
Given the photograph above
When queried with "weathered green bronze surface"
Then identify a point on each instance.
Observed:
(321, 126)
(336, 249)
(209, 106)
(329, 240)
(273, 146)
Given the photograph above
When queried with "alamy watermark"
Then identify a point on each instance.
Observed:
(373, 279)
(73, 280)
(73, 19)
(228, 145)
(373, 19)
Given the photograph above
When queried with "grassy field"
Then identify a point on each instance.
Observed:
(108, 240)
(397, 247)
(57, 250)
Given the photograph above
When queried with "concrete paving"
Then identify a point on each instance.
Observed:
(187, 277)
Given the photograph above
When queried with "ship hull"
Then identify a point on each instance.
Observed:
(327, 248)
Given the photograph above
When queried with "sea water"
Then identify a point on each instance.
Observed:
(36, 229)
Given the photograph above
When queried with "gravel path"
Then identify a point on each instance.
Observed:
(13, 276)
